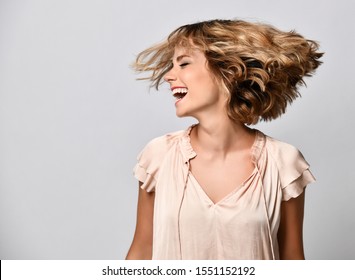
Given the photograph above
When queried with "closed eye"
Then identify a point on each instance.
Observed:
(184, 64)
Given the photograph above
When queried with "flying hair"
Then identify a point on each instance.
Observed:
(260, 67)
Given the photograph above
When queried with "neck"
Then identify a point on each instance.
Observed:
(221, 136)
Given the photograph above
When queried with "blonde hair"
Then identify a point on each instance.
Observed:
(260, 66)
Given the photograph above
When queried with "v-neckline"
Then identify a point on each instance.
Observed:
(255, 154)
(228, 195)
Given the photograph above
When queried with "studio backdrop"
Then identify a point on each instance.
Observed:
(73, 119)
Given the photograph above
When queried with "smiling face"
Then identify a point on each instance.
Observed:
(193, 85)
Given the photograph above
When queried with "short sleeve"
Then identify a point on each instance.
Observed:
(149, 161)
(294, 171)
(142, 175)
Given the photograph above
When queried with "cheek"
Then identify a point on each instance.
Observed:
(210, 84)
(204, 82)
(192, 77)
(200, 80)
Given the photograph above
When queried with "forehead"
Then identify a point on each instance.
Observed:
(192, 52)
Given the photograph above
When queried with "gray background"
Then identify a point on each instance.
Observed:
(73, 119)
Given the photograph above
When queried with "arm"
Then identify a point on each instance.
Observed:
(291, 227)
(141, 247)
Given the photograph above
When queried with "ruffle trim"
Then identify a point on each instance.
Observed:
(296, 187)
(258, 146)
(186, 148)
(143, 176)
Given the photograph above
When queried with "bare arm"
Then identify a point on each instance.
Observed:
(141, 247)
(290, 234)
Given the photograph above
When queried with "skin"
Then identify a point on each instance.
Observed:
(221, 144)
(141, 248)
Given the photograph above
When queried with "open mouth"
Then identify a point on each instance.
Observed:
(179, 93)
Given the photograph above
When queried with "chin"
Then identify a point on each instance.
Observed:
(182, 114)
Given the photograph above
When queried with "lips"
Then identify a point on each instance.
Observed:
(179, 92)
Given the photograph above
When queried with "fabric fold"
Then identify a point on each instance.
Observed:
(296, 187)
(143, 176)
(184, 222)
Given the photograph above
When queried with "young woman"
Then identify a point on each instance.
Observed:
(220, 189)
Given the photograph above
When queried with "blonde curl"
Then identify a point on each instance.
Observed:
(260, 67)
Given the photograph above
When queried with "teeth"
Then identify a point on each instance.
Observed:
(179, 93)
(179, 90)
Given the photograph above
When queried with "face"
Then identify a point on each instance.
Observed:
(196, 91)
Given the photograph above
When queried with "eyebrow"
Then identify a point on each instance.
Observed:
(181, 57)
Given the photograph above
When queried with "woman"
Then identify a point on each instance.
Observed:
(221, 190)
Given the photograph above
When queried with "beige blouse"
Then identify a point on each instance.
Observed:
(243, 225)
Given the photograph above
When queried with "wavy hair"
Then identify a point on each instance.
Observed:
(260, 66)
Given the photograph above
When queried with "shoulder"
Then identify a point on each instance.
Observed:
(163, 143)
(151, 157)
(166, 139)
(292, 168)
(158, 147)
(290, 162)
(282, 152)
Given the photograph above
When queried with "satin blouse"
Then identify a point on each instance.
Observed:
(243, 225)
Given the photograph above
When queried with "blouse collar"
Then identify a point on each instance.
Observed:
(189, 153)
(258, 146)
(186, 148)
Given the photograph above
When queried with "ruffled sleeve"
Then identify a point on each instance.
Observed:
(294, 171)
(142, 175)
(150, 159)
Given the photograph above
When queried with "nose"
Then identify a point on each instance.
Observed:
(170, 76)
